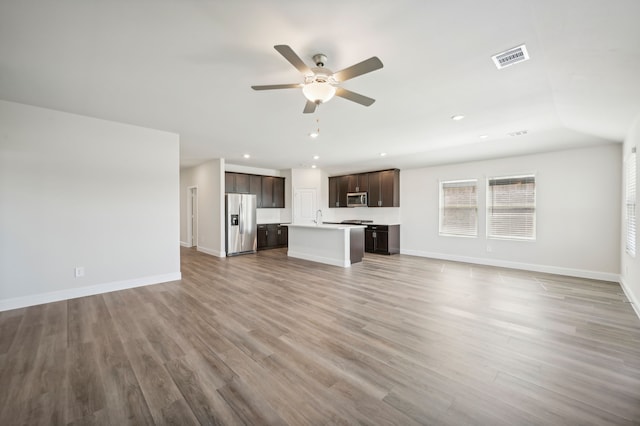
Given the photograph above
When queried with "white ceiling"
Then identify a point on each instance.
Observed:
(186, 66)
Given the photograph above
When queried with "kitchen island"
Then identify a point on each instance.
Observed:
(333, 244)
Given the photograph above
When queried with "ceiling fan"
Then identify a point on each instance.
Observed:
(320, 83)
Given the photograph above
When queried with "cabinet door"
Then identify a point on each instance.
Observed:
(352, 183)
(229, 182)
(382, 242)
(262, 236)
(358, 183)
(242, 183)
(389, 188)
(369, 241)
(363, 182)
(343, 189)
(333, 192)
(283, 236)
(255, 187)
(267, 191)
(278, 193)
(272, 236)
(374, 189)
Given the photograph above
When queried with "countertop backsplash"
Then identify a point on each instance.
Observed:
(379, 215)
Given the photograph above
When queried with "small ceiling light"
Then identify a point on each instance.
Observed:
(457, 117)
(484, 136)
(382, 154)
(314, 135)
(313, 166)
(315, 157)
(246, 156)
(318, 91)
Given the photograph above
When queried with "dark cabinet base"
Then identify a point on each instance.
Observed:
(382, 239)
(272, 235)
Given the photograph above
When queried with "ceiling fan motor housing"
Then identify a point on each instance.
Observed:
(319, 59)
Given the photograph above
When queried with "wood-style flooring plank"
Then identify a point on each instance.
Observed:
(267, 339)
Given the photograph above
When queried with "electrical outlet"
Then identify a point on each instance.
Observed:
(79, 271)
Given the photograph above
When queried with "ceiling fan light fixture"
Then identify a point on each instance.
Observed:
(318, 92)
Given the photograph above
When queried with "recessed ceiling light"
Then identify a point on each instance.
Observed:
(457, 117)
(313, 135)
(313, 166)
(246, 156)
(382, 154)
(484, 136)
(315, 157)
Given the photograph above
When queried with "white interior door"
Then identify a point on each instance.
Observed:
(304, 205)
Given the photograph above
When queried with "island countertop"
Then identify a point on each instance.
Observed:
(323, 225)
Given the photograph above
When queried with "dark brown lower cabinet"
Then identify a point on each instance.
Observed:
(382, 239)
(272, 235)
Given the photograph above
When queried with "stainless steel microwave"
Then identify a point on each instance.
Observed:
(357, 199)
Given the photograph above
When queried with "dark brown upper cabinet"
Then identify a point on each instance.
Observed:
(358, 183)
(269, 190)
(338, 189)
(382, 188)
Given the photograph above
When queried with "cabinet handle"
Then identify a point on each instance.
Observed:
(373, 235)
(379, 203)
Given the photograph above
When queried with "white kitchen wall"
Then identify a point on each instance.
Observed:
(578, 213)
(630, 265)
(81, 192)
(209, 179)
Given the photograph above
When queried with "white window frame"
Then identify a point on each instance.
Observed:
(442, 207)
(489, 207)
(630, 204)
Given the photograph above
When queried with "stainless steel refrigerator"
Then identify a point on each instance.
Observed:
(241, 227)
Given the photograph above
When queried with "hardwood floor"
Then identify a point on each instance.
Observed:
(264, 339)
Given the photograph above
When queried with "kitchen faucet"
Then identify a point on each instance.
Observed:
(318, 221)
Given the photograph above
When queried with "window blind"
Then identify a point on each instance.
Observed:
(511, 207)
(630, 201)
(459, 208)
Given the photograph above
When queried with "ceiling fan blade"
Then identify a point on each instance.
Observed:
(277, 86)
(310, 107)
(355, 97)
(293, 58)
(360, 68)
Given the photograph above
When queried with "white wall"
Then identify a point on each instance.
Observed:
(209, 179)
(78, 191)
(578, 215)
(630, 265)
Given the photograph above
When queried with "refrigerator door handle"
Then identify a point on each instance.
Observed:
(241, 216)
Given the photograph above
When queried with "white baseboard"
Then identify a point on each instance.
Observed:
(635, 303)
(320, 259)
(211, 251)
(558, 270)
(184, 244)
(73, 293)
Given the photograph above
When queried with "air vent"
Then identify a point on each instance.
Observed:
(518, 133)
(510, 57)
